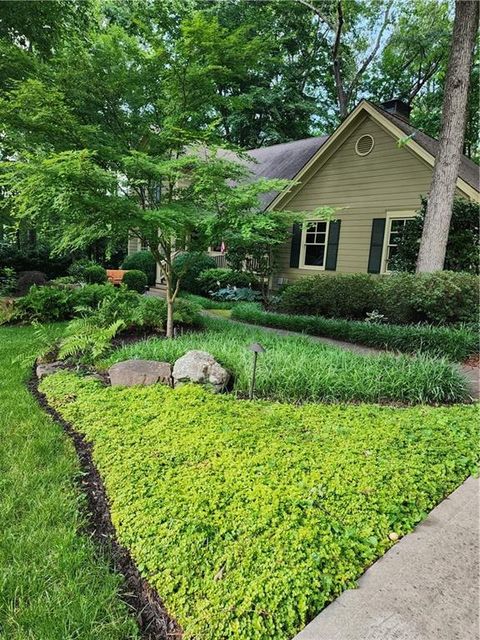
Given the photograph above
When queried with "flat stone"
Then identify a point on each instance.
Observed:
(143, 372)
(202, 368)
(48, 368)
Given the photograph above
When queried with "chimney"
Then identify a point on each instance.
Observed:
(398, 107)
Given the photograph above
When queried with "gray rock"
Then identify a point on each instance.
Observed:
(145, 372)
(202, 368)
(48, 368)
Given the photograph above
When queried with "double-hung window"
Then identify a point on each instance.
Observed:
(314, 244)
(394, 227)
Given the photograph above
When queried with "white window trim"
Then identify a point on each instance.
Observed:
(392, 215)
(301, 263)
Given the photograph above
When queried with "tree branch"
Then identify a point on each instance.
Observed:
(366, 63)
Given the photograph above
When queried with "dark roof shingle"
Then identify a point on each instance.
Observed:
(287, 159)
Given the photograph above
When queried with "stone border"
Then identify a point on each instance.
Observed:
(153, 619)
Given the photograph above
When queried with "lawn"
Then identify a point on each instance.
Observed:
(249, 517)
(296, 369)
(53, 583)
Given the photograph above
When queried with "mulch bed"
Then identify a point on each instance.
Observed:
(473, 361)
(153, 619)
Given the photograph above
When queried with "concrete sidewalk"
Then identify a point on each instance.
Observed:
(426, 587)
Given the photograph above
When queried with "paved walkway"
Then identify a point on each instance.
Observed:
(426, 587)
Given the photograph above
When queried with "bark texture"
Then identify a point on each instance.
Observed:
(431, 256)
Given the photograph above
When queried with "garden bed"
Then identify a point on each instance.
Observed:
(295, 369)
(456, 343)
(249, 517)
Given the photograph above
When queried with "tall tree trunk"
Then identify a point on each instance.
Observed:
(431, 256)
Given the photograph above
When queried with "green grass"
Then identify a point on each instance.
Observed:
(249, 517)
(456, 343)
(295, 369)
(52, 584)
(206, 303)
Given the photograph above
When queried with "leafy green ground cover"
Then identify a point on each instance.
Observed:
(249, 517)
(295, 369)
(52, 584)
(456, 342)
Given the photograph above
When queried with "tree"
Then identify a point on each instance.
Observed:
(431, 256)
(463, 239)
(119, 141)
(350, 55)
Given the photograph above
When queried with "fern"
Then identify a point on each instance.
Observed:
(87, 340)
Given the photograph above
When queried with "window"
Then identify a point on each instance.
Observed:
(394, 227)
(314, 244)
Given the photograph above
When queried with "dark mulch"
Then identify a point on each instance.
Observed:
(154, 621)
(473, 360)
(135, 334)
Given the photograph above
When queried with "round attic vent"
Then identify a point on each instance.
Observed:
(364, 145)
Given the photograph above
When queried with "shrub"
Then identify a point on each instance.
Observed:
(34, 259)
(264, 513)
(27, 279)
(151, 313)
(215, 279)
(95, 274)
(64, 282)
(462, 247)
(91, 295)
(455, 343)
(189, 266)
(7, 311)
(8, 281)
(143, 261)
(44, 304)
(232, 294)
(441, 297)
(135, 280)
(338, 296)
(77, 268)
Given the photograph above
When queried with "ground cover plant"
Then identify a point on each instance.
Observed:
(53, 584)
(295, 369)
(456, 343)
(249, 517)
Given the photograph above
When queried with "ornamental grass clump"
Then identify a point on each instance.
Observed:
(249, 517)
(456, 342)
(296, 369)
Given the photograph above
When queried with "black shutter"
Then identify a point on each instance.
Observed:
(332, 246)
(376, 245)
(295, 248)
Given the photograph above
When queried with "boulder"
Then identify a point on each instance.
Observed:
(144, 372)
(47, 368)
(202, 368)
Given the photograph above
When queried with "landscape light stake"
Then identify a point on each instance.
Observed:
(256, 348)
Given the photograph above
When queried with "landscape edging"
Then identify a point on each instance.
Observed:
(152, 617)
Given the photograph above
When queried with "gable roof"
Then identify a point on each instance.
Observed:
(291, 160)
(283, 161)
